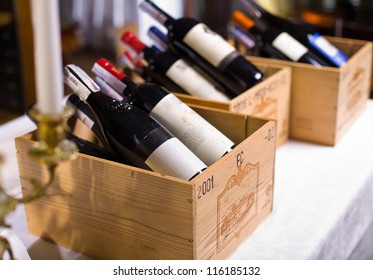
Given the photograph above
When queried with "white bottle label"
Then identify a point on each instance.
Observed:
(208, 44)
(107, 89)
(194, 83)
(202, 138)
(79, 81)
(109, 78)
(85, 119)
(289, 46)
(175, 159)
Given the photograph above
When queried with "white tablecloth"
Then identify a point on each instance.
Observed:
(323, 200)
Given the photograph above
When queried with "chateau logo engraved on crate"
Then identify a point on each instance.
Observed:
(262, 100)
(266, 108)
(264, 103)
(237, 204)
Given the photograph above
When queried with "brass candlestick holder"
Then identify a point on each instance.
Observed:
(51, 149)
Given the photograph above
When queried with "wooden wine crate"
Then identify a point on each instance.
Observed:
(268, 99)
(326, 101)
(108, 210)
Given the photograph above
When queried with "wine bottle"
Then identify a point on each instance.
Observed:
(260, 49)
(136, 66)
(306, 36)
(176, 69)
(277, 40)
(88, 148)
(210, 72)
(191, 37)
(83, 146)
(202, 138)
(85, 115)
(132, 133)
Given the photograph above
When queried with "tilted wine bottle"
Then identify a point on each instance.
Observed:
(84, 113)
(306, 36)
(175, 68)
(207, 71)
(202, 138)
(88, 148)
(254, 46)
(277, 40)
(132, 133)
(193, 38)
(84, 146)
(224, 83)
(136, 66)
(260, 49)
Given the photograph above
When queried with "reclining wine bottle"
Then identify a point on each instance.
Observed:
(88, 148)
(202, 138)
(137, 67)
(222, 83)
(253, 45)
(85, 115)
(132, 133)
(312, 40)
(176, 69)
(277, 40)
(210, 72)
(188, 35)
(84, 146)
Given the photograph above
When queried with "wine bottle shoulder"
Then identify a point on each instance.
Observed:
(177, 29)
(148, 95)
(162, 61)
(121, 121)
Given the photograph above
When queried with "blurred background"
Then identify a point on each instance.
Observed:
(91, 28)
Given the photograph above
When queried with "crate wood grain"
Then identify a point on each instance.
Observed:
(268, 99)
(326, 101)
(108, 210)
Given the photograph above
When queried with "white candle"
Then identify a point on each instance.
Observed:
(48, 56)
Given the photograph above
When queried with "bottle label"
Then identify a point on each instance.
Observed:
(208, 44)
(107, 89)
(84, 119)
(289, 46)
(175, 159)
(326, 48)
(110, 75)
(192, 82)
(79, 81)
(159, 38)
(202, 138)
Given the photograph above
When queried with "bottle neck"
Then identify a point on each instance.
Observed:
(254, 9)
(157, 13)
(148, 95)
(129, 88)
(148, 53)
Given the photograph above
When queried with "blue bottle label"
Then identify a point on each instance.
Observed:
(326, 48)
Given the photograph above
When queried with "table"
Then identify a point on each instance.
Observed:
(323, 200)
